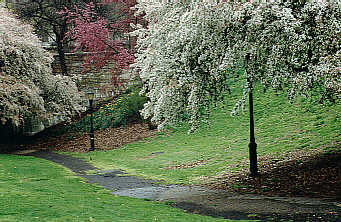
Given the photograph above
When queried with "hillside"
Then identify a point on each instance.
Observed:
(298, 148)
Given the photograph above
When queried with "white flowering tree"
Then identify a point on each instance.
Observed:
(28, 90)
(186, 55)
(183, 55)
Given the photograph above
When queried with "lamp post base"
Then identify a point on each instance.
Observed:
(253, 159)
(254, 174)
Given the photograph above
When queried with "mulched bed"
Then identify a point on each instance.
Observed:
(107, 139)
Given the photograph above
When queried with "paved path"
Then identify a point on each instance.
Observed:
(202, 200)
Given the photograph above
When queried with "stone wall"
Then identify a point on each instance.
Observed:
(99, 80)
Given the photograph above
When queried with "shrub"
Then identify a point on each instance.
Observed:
(28, 90)
(120, 111)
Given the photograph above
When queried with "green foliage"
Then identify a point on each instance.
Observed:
(125, 108)
(120, 111)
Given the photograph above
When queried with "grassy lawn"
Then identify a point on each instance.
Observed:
(177, 157)
(37, 190)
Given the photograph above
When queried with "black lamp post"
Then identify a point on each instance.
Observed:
(252, 144)
(91, 96)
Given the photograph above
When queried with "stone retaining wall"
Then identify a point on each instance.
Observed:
(99, 80)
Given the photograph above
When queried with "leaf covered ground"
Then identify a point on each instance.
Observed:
(314, 174)
(106, 139)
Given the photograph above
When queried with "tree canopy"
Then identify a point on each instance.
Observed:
(27, 87)
(43, 15)
(184, 55)
(100, 29)
(102, 36)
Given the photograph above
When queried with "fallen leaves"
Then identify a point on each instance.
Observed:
(305, 174)
(186, 165)
(107, 139)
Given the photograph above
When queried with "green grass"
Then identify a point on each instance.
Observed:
(281, 127)
(33, 189)
(36, 190)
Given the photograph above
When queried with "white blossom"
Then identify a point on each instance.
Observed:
(27, 87)
(183, 55)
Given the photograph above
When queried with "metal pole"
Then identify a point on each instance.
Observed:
(252, 144)
(92, 135)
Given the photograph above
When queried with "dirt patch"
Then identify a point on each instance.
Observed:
(186, 165)
(253, 214)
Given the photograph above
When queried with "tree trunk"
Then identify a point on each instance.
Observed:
(61, 51)
(62, 63)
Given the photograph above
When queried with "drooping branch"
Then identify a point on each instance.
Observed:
(287, 51)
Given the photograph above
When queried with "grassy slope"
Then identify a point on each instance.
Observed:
(37, 190)
(280, 127)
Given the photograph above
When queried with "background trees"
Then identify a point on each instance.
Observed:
(100, 30)
(28, 89)
(47, 22)
(102, 34)
(104, 22)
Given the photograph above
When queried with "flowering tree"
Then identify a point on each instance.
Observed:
(183, 55)
(28, 90)
(103, 36)
(42, 14)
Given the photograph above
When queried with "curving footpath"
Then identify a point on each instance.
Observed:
(201, 200)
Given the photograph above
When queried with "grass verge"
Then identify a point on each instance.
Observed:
(36, 190)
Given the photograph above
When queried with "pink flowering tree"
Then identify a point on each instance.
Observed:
(103, 38)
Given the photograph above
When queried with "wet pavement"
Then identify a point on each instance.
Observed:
(199, 199)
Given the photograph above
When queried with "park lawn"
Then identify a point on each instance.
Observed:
(34, 189)
(177, 157)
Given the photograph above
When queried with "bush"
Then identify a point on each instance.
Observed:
(120, 111)
(28, 90)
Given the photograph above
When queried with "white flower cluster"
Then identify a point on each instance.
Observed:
(183, 55)
(27, 87)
